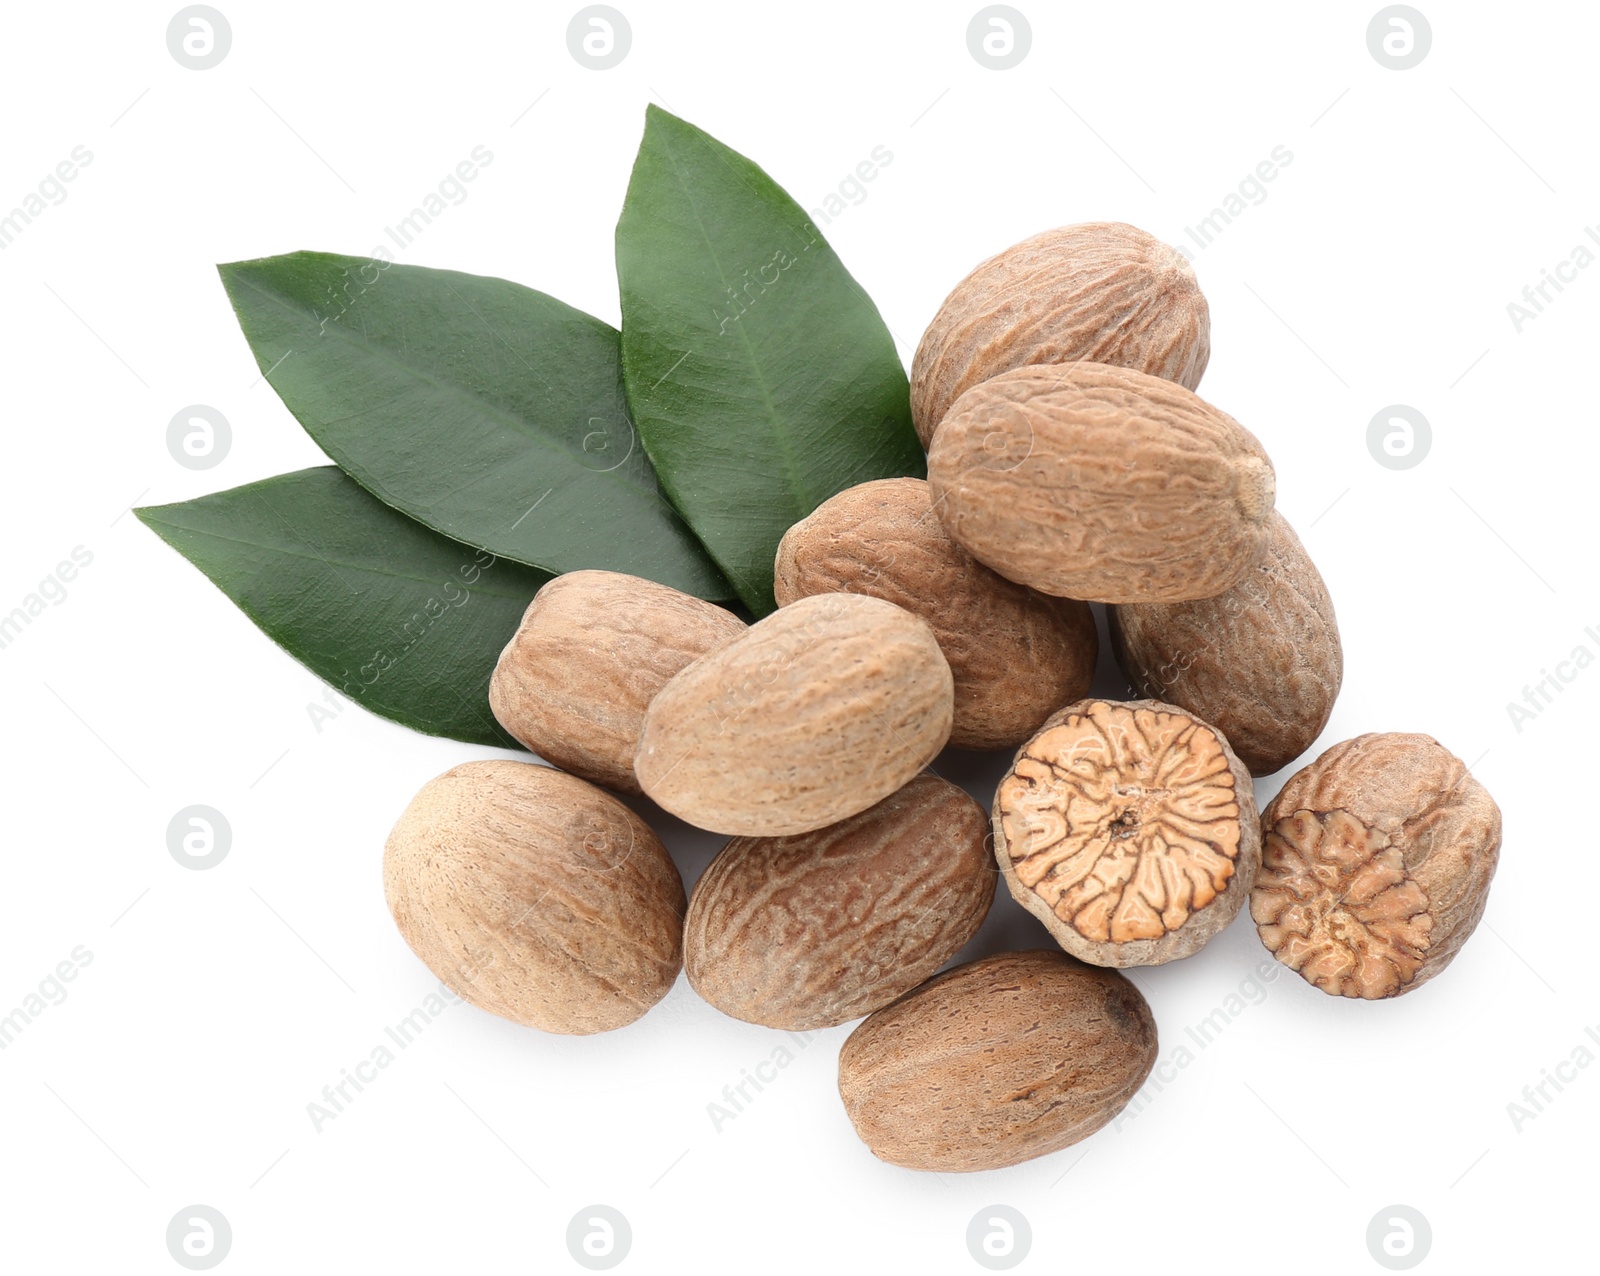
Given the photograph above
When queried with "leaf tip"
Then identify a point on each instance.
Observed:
(150, 516)
(230, 269)
(659, 117)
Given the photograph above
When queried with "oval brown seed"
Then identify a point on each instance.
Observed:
(593, 649)
(1102, 292)
(1016, 656)
(819, 928)
(1103, 484)
(993, 1063)
(1262, 662)
(536, 896)
(821, 709)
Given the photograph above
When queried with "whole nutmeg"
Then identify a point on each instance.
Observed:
(1375, 865)
(1016, 656)
(1103, 292)
(996, 1062)
(821, 709)
(1262, 662)
(1102, 483)
(819, 928)
(592, 651)
(536, 896)
(1129, 830)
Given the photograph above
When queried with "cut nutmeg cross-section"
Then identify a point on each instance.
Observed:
(1376, 865)
(1129, 829)
(1337, 905)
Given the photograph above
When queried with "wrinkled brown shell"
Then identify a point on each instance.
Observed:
(1376, 865)
(1129, 830)
(1016, 656)
(820, 928)
(592, 651)
(1102, 483)
(996, 1062)
(1104, 292)
(536, 896)
(821, 709)
(1262, 663)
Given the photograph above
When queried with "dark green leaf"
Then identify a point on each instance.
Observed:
(483, 409)
(396, 617)
(762, 378)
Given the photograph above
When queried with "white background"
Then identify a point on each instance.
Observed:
(218, 1004)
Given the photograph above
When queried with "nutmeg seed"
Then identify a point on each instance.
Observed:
(1261, 662)
(536, 896)
(996, 1062)
(592, 651)
(1016, 656)
(1129, 830)
(1101, 483)
(1102, 292)
(819, 928)
(1376, 865)
(821, 709)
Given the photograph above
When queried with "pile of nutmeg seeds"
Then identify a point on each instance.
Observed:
(1069, 461)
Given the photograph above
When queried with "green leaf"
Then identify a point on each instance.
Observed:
(487, 411)
(398, 618)
(762, 377)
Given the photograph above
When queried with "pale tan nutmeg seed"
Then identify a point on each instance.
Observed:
(1103, 292)
(1262, 662)
(821, 709)
(819, 928)
(1016, 655)
(1102, 483)
(994, 1063)
(592, 651)
(536, 896)
(1129, 830)
(1376, 865)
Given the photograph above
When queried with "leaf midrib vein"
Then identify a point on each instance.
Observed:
(790, 461)
(333, 562)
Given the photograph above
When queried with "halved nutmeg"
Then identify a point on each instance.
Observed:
(1129, 830)
(1376, 865)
